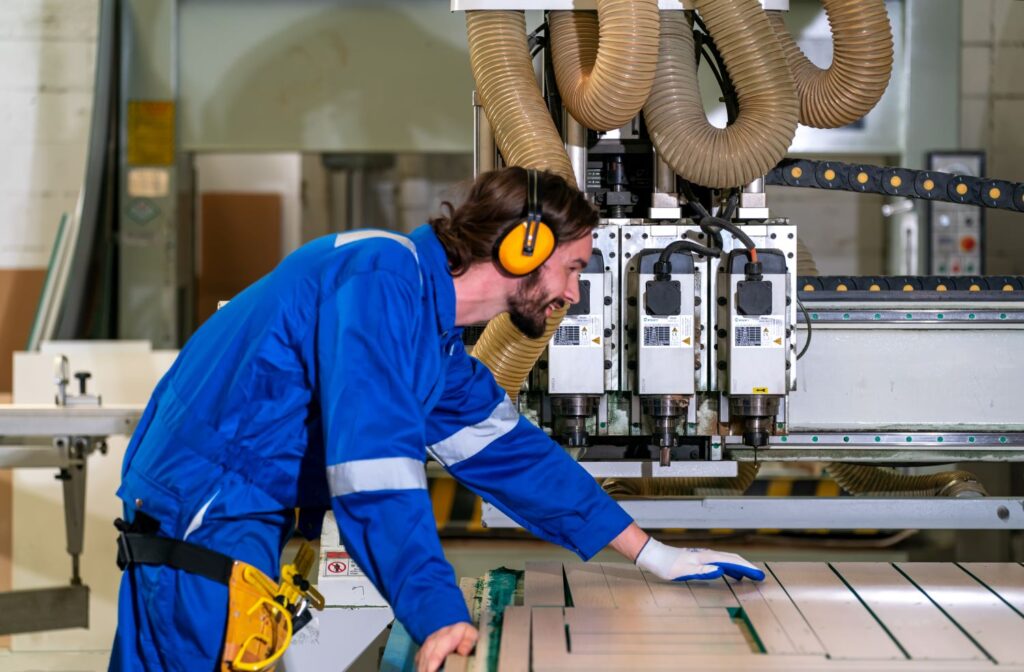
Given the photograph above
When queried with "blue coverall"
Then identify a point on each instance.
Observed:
(327, 383)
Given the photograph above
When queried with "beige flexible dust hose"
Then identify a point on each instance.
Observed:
(804, 261)
(604, 63)
(768, 109)
(865, 479)
(507, 86)
(526, 136)
(509, 354)
(682, 487)
(861, 63)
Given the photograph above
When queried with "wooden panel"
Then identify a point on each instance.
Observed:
(456, 663)
(922, 630)
(988, 620)
(627, 586)
(669, 593)
(614, 621)
(551, 652)
(642, 645)
(240, 242)
(588, 586)
(766, 626)
(547, 636)
(514, 651)
(19, 296)
(485, 630)
(1005, 578)
(835, 614)
(713, 593)
(544, 585)
(789, 617)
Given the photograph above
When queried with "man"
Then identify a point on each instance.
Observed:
(327, 383)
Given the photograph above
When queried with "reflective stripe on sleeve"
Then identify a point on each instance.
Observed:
(470, 440)
(386, 473)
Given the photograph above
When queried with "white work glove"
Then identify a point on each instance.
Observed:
(684, 564)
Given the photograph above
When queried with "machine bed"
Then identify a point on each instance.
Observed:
(804, 616)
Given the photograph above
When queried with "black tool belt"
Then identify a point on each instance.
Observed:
(138, 544)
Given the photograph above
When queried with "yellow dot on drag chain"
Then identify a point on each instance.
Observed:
(928, 185)
(940, 288)
(808, 288)
(1007, 287)
(830, 174)
(994, 193)
(895, 181)
(908, 288)
(796, 171)
(961, 188)
(874, 288)
(841, 287)
(862, 177)
(975, 288)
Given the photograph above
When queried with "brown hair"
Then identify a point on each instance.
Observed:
(497, 201)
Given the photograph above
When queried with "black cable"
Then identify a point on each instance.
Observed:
(807, 321)
(719, 223)
(731, 205)
(729, 95)
(663, 267)
(690, 245)
(536, 41)
(700, 22)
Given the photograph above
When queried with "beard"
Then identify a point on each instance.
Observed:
(527, 308)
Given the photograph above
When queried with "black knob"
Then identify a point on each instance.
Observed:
(82, 377)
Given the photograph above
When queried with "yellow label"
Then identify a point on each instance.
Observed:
(760, 390)
(150, 132)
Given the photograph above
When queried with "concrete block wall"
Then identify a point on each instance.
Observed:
(992, 112)
(47, 57)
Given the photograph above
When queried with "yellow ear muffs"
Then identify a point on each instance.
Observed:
(511, 253)
(523, 247)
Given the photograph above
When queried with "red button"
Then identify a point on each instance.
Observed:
(967, 243)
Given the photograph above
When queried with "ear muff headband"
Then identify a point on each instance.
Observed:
(526, 245)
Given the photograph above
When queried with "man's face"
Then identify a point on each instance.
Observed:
(554, 284)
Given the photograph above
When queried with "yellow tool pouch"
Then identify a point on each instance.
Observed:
(259, 628)
(261, 612)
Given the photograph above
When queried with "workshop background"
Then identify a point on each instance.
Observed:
(296, 119)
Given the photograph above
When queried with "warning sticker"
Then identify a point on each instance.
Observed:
(579, 331)
(338, 563)
(667, 332)
(759, 332)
